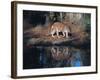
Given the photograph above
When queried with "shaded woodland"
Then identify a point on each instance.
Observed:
(36, 27)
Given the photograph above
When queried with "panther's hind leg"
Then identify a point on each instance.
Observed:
(66, 34)
(63, 33)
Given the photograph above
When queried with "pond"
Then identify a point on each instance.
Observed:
(36, 57)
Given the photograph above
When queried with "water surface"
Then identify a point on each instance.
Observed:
(55, 56)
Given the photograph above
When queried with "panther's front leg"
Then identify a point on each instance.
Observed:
(52, 35)
(58, 34)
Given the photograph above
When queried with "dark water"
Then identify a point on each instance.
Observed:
(55, 56)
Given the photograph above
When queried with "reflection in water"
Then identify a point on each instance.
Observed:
(60, 53)
(55, 56)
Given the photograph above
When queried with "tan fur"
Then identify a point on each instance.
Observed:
(59, 27)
